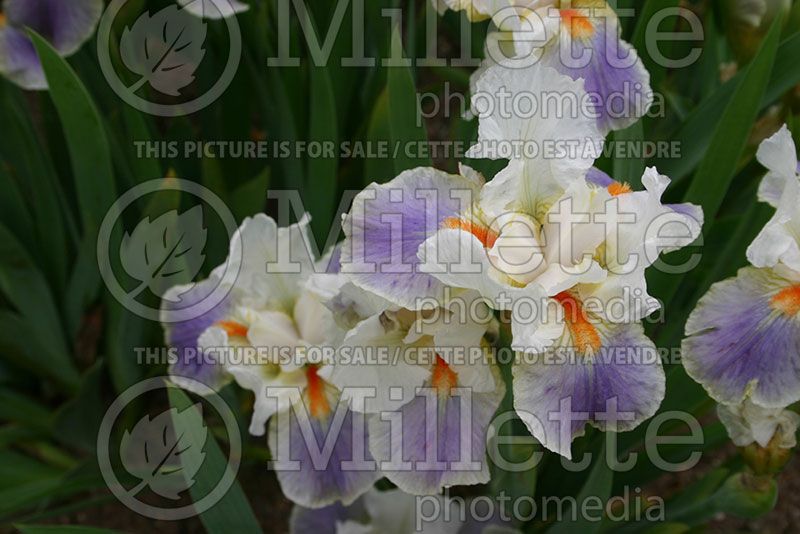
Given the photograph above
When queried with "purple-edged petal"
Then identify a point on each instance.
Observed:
(329, 479)
(743, 340)
(614, 75)
(388, 223)
(187, 311)
(19, 61)
(65, 24)
(624, 376)
(434, 419)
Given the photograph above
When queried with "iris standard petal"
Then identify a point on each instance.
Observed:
(779, 155)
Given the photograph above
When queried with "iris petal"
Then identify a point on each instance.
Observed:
(741, 342)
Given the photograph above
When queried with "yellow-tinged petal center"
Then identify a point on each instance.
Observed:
(584, 333)
(485, 235)
(318, 405)
(443, 377)
(233, 328)
(577, 25)
(787, 300)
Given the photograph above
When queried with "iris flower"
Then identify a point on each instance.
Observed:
(65, 24)
(578, 38)
(743, 338)
(271, 307)
(582, 282)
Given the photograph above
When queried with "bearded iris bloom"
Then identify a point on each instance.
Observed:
(743, 338)
(578, 38)
(548, 241)
(65, 25)
(256, 302)
(271, 306)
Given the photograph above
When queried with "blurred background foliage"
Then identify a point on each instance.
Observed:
(66, 346)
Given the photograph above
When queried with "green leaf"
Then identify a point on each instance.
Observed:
(696, 132)
(598, 485)
(17, 469)
(406, 124)
(78, 421)
(747, 495)
(714, 176)
(232, 513)
(13, 211)
(25, 287)
(29, 165)
(92, 169)
(18, 408)
(379, 169)
(25, 496)
(719, 165)
(629, 169)
(250, 197)
(639, 41)
(84, 134)
(321, 186)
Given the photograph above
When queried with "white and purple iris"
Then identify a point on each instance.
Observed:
(409, 303)
(545, 241)
(578, 38)
(272, 306)
(66, 25)
(743, 338)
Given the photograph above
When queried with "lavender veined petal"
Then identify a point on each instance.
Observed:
(387, 225)
(319, 486)
(626, 370)
(614, 74)
(411, 442)
(185, 318)
(19, 61)
(66, 25)
(741, 345)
